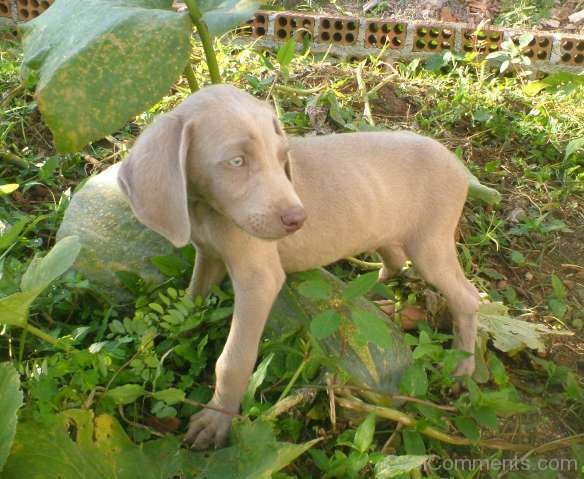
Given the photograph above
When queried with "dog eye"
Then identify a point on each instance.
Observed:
(237, 162)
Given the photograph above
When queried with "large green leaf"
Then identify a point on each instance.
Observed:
(40, 273)
(222, 15)
(10, 403)
(43, 272)
(79, 445)
(98, 63)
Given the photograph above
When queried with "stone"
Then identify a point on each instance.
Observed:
(577, 17)
(550, 23)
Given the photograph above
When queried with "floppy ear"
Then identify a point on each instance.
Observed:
(288, 165)
(153, 177)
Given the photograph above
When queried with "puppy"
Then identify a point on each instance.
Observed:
(219, 172)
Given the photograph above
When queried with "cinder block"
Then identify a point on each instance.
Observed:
(338, 30)
(257, 26)
(379, 33)
(29, 9)
(539, 49)
(433, 38)
(572, 51)
(287, 25)
(481, 41)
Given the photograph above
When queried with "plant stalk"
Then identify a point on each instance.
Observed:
(206, 40)
(191, 79)
(44, 336)
(409, 421)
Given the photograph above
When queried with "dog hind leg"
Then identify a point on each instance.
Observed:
(437, 262)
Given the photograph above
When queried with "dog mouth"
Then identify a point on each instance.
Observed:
(264, 227)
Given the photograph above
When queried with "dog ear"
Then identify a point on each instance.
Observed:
(288, 165)
(153, 177)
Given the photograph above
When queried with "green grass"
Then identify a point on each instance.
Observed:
(526, 253)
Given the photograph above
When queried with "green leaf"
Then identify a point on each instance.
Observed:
(504, 402)
(222, 15)
(255, 454)
(558, 287)
(325, 324)
(43, 272)
(364, 433)
(40, 273)
(14, 308)
(482, 115)
(413, 442)
(434, 62)
(256, 380)
(8, 188)
(361, 285)
(394, 466)
(558, 307)
(414, 382)
(10, 403)
(534, 87)
(170, 395)
(467, 427)
(101, 62)
(372, 328)
(286, 52)
(485, 416)
(169, 265)
(8, 238)
(517, 257)
(315, 289)
(77, 445)
(573, 146)
(126, 394)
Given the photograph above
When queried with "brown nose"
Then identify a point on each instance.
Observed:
(293, 218)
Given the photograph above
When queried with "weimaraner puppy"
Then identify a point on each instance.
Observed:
(218, 171)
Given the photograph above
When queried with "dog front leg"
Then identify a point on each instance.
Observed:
(255, 293)
(209, 271)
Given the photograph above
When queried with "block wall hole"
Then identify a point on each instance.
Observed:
(481, 41)
(430, 38)
(301, 27)
(338, 30)
(381, 33)
(5, 8)
(572, 51)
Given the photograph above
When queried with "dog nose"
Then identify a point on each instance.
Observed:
(293, 218)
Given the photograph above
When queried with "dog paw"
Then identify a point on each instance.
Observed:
(208, 428)
(465, 367)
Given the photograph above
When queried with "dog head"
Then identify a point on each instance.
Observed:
(221, 146)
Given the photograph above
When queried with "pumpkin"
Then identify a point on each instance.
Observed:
(112, 240)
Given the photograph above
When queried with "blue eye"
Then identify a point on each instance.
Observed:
(237, 162)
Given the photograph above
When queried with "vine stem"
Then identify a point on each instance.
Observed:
(206, 39)
(191, 79)
(409, 421)
(44, 336)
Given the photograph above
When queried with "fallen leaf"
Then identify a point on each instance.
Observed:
(512, 335)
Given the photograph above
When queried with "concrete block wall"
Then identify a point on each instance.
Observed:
(360, 37)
